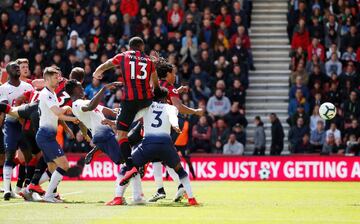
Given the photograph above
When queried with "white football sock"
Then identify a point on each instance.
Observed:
(173, 175)
(186, 182)
(137, 188)
(44, 177)
(7, 173)
(157, 167)
(120, 190)
(56, 177)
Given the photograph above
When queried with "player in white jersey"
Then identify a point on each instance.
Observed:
(91, 114)
(9, 92)
(50, 114)
(157, 144)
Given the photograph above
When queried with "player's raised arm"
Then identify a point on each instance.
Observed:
(99, 96)
(98, 74)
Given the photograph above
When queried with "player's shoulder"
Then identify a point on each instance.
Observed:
(171, 108)
(79, 103)
(26, 84)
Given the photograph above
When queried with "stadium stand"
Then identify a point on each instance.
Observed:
(325, 67)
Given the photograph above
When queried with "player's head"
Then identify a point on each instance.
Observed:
(78, 74)
(160, 94)
(52, 77)
(24, 67)
(166, 71)
(13, 69)
(74, 89)
(136, 44)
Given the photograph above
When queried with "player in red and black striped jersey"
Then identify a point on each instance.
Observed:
(137, 70)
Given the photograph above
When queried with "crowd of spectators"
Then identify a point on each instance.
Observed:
(207, 41)
(325, 56)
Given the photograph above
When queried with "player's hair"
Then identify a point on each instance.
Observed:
(70, 86)
(160, 94)
(163, 67)
(78, 74)
(20, 61)
(136, 43)
(10, 66)
(50, 71)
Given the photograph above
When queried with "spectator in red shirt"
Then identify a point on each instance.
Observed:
(316, 48)
(175, 17)
(245, 39)
(224, 17)
(300, 38)
(130, 7)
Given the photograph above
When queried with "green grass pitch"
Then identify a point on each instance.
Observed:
(221, 202)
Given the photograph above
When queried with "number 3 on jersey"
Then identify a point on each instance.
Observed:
(157, 118)
(133, 70)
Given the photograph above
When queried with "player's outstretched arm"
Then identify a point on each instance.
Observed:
(98, 74)
(60, 113)
(99, 96)
(183, 109)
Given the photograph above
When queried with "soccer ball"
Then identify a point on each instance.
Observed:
(264, 173)
(327, 111)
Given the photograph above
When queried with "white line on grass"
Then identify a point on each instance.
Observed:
(25, 202)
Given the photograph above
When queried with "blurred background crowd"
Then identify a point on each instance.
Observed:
(325, 56)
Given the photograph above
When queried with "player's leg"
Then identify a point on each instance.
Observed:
(12, 131)
(119, 190)
(53, 154)
(123, 122)
(185, 180)
(172, 159)
(138, 196)
(180, 191)
(62, 165)
(158, 178)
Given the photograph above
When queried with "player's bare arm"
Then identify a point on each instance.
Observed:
(67, 129)
(98, 74)
(84, 131)
(184, 109)
(60, 113)
(155, 80)
(99, 96)
(109, 112)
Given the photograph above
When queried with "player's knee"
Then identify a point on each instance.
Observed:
(181, 173)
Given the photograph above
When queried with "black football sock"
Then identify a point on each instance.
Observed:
(30, 170)
(161, 191)
(21, 176)
(39, 170)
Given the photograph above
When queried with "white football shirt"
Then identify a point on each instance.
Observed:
(91, 119)
(10, 93)
(159, 118)
(47, 100)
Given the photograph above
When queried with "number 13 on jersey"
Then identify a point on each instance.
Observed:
(142, 70)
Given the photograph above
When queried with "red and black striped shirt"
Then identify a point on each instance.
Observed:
(136, 70)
